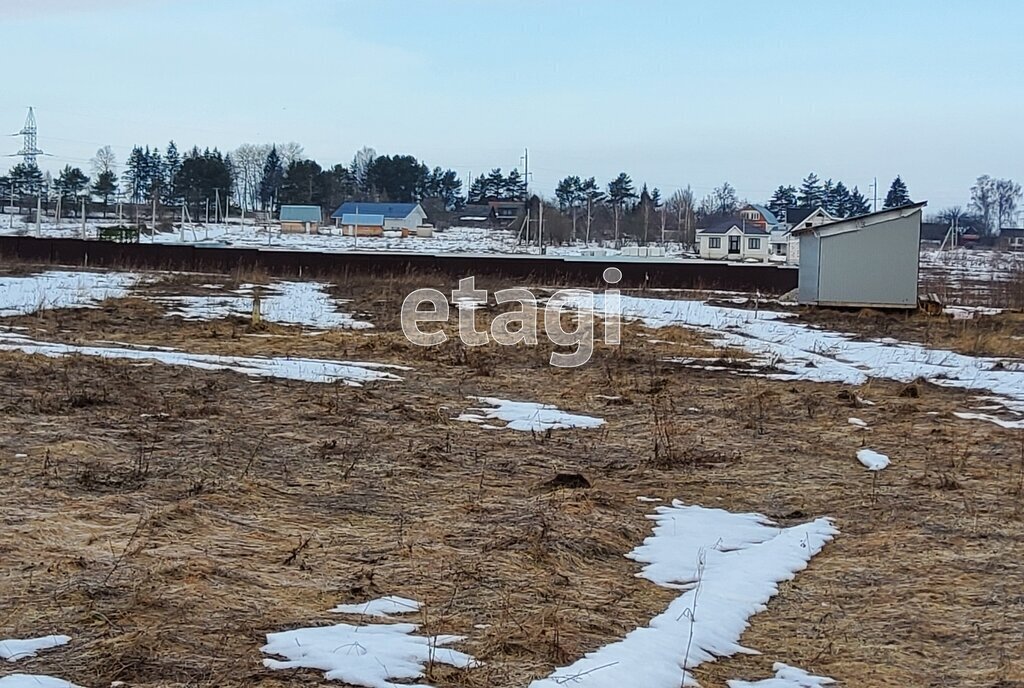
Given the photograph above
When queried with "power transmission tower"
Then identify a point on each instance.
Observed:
(29, 149)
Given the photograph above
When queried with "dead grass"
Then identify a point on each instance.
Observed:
(167, 518)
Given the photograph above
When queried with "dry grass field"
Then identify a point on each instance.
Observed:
(167, 518)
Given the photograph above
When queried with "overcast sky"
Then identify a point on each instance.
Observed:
(674, 93)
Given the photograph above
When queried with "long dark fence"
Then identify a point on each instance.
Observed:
(531, 270)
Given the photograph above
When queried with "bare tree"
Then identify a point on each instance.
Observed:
(360, 165)
(1007, 196)
(104, 161)
(682, 204)
(290, 152)
(247, 161)
(983, 201)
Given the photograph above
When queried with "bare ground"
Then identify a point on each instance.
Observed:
(167, 518)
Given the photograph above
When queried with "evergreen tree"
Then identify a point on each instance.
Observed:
(514, 186)
(810, 192)
(172, 163)
(135, 175)
(828, 196)
(783, 198)
(478, 190)
(155, 174)
(301, 184)
(620, 193)
(70, 185)
(897, 196)
(840, 205)
(26, 179)
(270, 183)
(858, 204)
(200, 177)
(494, 185)
(591, 197)
(105, 188)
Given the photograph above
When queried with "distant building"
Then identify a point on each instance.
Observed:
(301, 218)
(734, 240)
(505, 212)
(865, 261)
(758, 216)
(785, 243)
(1011, 239)
(362, 224)
(399, 216)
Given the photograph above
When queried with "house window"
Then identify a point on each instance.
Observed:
(714, 242)
(780, 249)
(754, 244)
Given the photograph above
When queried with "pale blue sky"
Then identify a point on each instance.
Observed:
(672, 92)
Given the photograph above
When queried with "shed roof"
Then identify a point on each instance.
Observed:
(861, 221)
(391, 211)
(301, 213)
(362, 219)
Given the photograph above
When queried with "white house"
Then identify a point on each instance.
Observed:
(399, 216)
(733, 240)
(783, 242)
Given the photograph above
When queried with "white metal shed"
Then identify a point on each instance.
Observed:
(866, 261)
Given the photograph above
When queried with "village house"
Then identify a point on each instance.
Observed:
(733, 240)
(301, 218)
(1011, 239)
(785, 245)
(404, 217)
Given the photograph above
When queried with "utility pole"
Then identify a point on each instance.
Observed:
(39, 211)
(216, 213)
(152, 230)
(83, 217)
(182, 234)
(874, 185)
(540, 225)
(526, 184)
(11, 223)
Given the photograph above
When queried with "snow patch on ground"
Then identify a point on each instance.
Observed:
(351, 373)
(383, 606)
(14, 649)
(527, 416)
(289, 303)
(795, 351)
(727, 566)
(872, 460)
(23, 294)
(988, 418)
(785, 677)
(857, 422)
(34, 681)
(371, 656)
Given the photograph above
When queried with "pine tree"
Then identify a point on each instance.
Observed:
(105, 188)
(840, 206)
(135, 175)
(858, 204)
(897, 196)
(70, 185)
(514, 187)
(783, 198)
(270, 184)
(810, 192)
(172, 163)
(620, 192)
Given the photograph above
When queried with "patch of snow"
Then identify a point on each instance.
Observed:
(796, 351)
(34, 681)
(647, 499)
(288, 303)
(383, 606)
(785, 677)
(23, 294)
(351, 373)
(370, 656)
(728, 566)
(872, 460)
(12, 650)
(527, 416)
(1008, 424)
(858, 422)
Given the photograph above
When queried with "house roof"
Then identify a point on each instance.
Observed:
(301, 213)
(724, 226)
(362, 219)
(866, 220)
(391, 211)
(1011, 232)
(795, 216)
(768, 215)
(934, 231)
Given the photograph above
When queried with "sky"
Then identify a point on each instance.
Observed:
(672, 92)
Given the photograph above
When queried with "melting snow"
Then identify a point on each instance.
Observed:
(34, 681)
(351, 373)
(799, 352)
(14, 649)
(1008, 424)
(370, 656)
(22, 294)
(857, 421)
(872, 460)
(527, 416)
(785, 677)
(383, 606)
(728, 566)
(289, 303)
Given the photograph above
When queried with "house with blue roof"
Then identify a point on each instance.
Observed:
(301, 218)
(372, 219)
